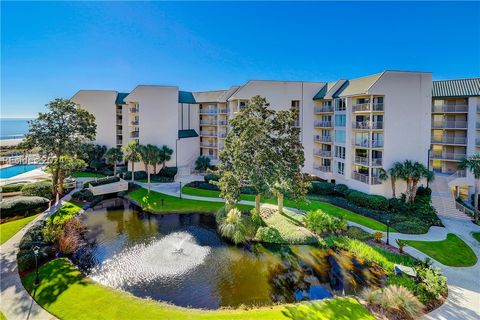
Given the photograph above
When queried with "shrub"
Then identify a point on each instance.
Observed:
(203, 185)
(209, 177)
(97, 164)
(96, 200)
(13, 187)
(424, 192)
(256, 221)
(394, 300)
(431, 284)
(38, 189)
(342, 190)
(33, 237)
(233, 226)
(22, 205)
(358, 233)
(101, 181)
(138, 175)
(83, 195)
(401, 244)
(412, 226)
(52, 231)
(320, 222)
(404, 281)
(168, 172)
(377, 236)
(68, 243)
(26, 258)
(269, 234)
(322, 188)
(374, 202)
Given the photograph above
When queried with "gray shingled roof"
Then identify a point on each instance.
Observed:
(456, 88)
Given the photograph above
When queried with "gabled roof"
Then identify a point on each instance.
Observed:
(189, 133)
(185, 97)
(360, 85)
(210, 96)
(331, 90)
(120, 97)
(456, 88)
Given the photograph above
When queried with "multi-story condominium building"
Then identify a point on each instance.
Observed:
(455, 129)
(349, 128)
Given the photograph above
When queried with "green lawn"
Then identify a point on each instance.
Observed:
(82, 174)
(9, 229)
(452, 251)
(312, 205)
(476, 235)
(152, 202)
(291, 227)
(67, 294)
(66, 212)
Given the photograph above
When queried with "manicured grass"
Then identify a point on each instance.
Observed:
(68, 294)
(82, 174)
(476, 235)
(452, 251)
(152, 202)
(9, 229)
(312, 205)
(66, 212)
(291, 227)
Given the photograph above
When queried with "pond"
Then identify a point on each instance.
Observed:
(180, 258)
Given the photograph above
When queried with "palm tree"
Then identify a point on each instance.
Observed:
(395, 173)
(132, 154)
(472, 164)
(149, 155)
(202, 163)
(165, 155)
(382, 175)
(412, 173)
(112, 156)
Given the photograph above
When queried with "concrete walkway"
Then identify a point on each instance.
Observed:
(15, 302)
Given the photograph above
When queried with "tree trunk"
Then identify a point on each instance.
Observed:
(257, 203)
(280, 202)
(154, 168)
(414, 190)
(394, 188)
(148, 181)
(133, 171)
(60, 182)
(475, 200)
(115, 168)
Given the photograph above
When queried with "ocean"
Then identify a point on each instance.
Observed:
(13, 128)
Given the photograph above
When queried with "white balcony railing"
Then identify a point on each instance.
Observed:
(322, 168)
(447, 156)
(319, 138)
(134, 122)
(134, 109)
(208, 122)
(450, 108)
(222, 122)
(365, 143)
(134, 134)
(208, 133)
(449, 140)
(367, 125)
(361, 107)
(449, 124)
(223, 111)
(323, 109)
(378, 107)
(208, 111)
(361, 160)
(377, 162)
(208, 145)
(322, 153)
(362, 177)
(323, 124)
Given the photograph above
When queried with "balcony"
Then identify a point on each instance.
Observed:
(323, 124)
(361, 107)
(208, 122)
(119, 122)
(365, 143)
(322, 168)
(323, 109)
(223, 111)
(322, 153)
(367, 125)
(377, 162)
(119, 132)
(361, 160)
(325, 139)
(365, 179)
(208, 145)
(208, 133)
(119, 112)
(134, 109)
(134, 134)
(447, 156)
(209, 111)
(222, 122)
(134, 122)
(446, 108)
(378, 107)
(449, 140)
(449, 124)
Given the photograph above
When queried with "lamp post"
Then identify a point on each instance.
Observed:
(180, 189)
(36, 250)
(388, 232)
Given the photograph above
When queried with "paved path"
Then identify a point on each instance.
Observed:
(15, 302)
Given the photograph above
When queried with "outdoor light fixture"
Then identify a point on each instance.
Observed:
(388, 231)
(180, 189)
(36, 251)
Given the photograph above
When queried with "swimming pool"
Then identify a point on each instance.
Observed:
(13, 171)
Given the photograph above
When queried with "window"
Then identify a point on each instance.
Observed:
(296, 104)
(339, 167)
(339, 104)
(340, 136)
(340, 120)
(339, 152)
(326, 104)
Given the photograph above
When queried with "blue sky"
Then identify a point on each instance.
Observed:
(53, 49)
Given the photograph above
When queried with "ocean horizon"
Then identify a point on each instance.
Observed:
(13, 128)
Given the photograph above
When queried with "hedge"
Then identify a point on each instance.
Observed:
(370, 201)
(138, 175)
(209, 177)
(13, 187)
(83, 195)
(22, 205)
(101, 181)
(39, 189)
(168, 172)
(322, 188)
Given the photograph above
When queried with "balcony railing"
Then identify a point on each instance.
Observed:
(449, 124)
(323, 109)
(134, 134)
(208, 122)
(119, 122)
(361, 107)
(323, 124)
(322, 168)
(223, 111)
(119, 132)
(361, 160)
(378, 107)
(447, 155)
(449, 140)
(322, 153)
(208, 133)
(119, 112)
(377, 162)
(319, 138)
(450, 108)
(365, 179)
(208, 111)
(134, 122)
(134, 109)
(366, 125)
(222, 135)
(208, 145)
(222, 122)
(365, 143)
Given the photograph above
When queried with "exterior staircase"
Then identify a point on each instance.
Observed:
(443, 200)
